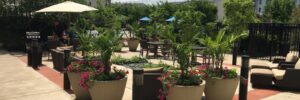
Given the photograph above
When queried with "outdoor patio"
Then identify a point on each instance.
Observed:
(150, 50)
(46, 76)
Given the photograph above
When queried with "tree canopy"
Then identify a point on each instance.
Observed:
(278, 10)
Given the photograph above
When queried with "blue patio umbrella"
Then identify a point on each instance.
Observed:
(145, 19)
(171, 19)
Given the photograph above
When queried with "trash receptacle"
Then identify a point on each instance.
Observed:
(34, 49)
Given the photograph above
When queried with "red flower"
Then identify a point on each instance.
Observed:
(160, 79)
(168, 85)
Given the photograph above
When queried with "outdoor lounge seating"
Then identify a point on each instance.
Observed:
(288, 76)
(285, 76)
(51, 44)
(58, 59)
(261, 77)
(290, 59)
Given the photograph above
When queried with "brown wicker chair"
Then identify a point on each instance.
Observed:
(58, 59)
(144, 46)
(287, 77)
(52, 44)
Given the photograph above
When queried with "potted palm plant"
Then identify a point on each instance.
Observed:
(133, 41)
(187, 83)
(78, 67)
(217, 76)
(101, 81)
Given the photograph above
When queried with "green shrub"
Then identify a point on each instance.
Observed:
(122, 61)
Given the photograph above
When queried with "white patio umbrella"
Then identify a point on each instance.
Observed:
(67, 6)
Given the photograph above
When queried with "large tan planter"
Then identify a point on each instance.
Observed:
(107, 90)
(133, 44)
(80, 93)
(186, 92)
(153, 70)
(220, 89)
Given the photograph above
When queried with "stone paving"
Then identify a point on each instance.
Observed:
(19, 82)
(56, 78)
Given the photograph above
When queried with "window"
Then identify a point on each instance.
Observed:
(260, 2)
(259, 10)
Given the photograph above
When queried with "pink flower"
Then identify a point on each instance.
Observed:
(160, 79)
(84, 78)
(94, 63)
(161, 97)
(118, 77)
(100, 70)
(80, 62)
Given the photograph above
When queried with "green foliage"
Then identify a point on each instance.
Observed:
(207, 8)
(217, 46)
(132, 12)
(238, 13)
(220, 73)
(122, 61)
(188, 26)
(295, 17)
(135, 30)
(279, 10)
(105, 44)
(160, 64)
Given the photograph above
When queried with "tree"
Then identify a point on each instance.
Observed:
(207, 8)
(279, 10)
(295, 17)
(238, 13)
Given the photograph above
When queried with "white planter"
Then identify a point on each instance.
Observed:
(220, 89)
(107, 90)
(186, 92)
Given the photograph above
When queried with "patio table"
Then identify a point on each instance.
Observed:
(194, 49)
(155, 44)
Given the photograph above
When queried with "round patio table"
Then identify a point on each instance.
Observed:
(155, 44)
(196, 48)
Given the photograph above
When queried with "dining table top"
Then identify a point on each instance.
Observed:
(156, 43)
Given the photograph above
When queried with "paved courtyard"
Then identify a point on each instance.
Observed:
(22, 82)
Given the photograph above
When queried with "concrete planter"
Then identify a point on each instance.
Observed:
(107, 90)
(186, 92)
(153, 70)
(220, 89)
(133, 44)
(80, 93)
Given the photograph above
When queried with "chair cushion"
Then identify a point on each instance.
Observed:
(297, 65)
(278, 74)
(272, 65)
(291, 58)
(261, 71)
